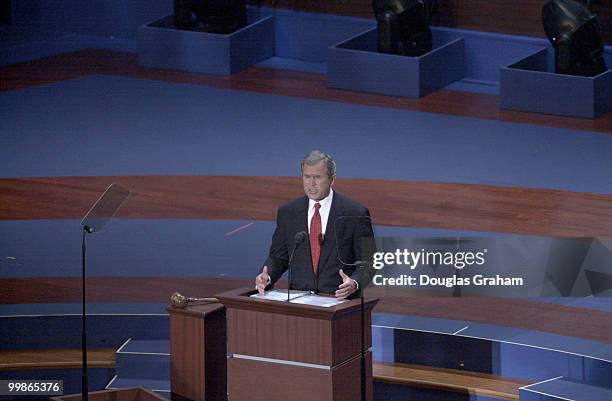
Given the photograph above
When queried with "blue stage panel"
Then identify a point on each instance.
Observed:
(531, 84)
(64, 331)
(561, 389)
(541, 340)
(137, 346)
(355, 64)
(485, 53)
(158, 385)
(536, 364)
(76, 309)
(597, 372)
(396, 392)
(281, 63)
(164, 247)
(307, 36)
(163, 46)
(419, 323)
(145, 359)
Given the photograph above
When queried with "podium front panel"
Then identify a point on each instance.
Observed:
(279, 336)
(289, 351)
(260, 380)
(294, 338)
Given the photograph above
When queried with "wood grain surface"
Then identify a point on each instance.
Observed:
(450, 380)
(59, 358)
(525, 314)
(392, 202)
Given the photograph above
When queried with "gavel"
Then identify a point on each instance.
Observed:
(180, 301)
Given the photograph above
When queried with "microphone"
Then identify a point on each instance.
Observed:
(298, 239)
(180, 301)
(357, 263)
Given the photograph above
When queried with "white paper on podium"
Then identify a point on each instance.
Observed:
(300, 297)
(279, 295)
(318, 300)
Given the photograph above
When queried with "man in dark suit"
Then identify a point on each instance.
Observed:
(325, 260)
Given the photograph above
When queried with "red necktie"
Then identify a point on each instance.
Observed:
(316, 237)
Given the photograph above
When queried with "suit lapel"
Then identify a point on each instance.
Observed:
(303, 221)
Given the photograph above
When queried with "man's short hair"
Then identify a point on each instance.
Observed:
(315, 157)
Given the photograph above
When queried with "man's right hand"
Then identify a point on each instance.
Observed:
(262, 280)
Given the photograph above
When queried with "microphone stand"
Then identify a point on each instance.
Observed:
(363, 358)
(289, 276)
(358, 265)
(84, 376)
(298, 239)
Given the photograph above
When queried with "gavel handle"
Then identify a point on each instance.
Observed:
(205, 300)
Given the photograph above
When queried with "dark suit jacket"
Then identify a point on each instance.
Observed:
(347, 219)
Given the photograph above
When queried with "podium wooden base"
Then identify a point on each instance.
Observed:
(260, 380)
(293, 351)
(197, 366)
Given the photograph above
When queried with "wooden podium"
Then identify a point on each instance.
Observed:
(287, 351)
(197, 347)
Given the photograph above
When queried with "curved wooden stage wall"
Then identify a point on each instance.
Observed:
(526, 314)
(518, 17)
(392, 202)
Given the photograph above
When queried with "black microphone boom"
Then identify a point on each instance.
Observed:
(297, 239)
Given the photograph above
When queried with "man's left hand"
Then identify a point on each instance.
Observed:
(347, 287)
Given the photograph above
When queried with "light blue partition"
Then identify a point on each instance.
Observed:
(531, 84)
(163, 46)
(355, 64)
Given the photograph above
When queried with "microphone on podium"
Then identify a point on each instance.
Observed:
(298, 239)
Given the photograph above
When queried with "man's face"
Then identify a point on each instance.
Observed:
(316, 181)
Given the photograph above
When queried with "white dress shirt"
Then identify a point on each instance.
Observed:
(323, 210)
